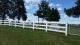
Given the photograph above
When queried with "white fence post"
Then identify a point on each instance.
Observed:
(33, 25)
(66, 29)
(23, 24)
(9, 23)
(3, 22)
(46, 26)
(15, 23)
(0, 22)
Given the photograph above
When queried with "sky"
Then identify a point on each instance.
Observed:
(32, 7)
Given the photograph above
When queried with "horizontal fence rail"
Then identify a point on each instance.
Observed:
(47, 26)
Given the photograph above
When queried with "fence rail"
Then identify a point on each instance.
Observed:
(47, 26)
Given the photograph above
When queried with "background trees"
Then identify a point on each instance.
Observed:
(2, 9)
(38, 13)
(46, 12)
(74, 11)
(53, 15)
(15, 9)
(22, 10)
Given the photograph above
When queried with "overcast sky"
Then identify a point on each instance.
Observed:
(32, 6)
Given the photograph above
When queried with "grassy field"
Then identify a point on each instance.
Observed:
(20, 36)
(74, 30)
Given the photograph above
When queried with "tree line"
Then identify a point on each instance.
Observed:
(15, 9)
(46, 12)
(74, 11)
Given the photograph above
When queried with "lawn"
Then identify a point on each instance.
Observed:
(74, 30)
(20, 36)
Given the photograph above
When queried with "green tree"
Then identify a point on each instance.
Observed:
(56, 15)
(38, 13)
(46, 12)
(13, 9)
(74, 11)
(53, 15)
(2, 9)
(43, 6)
(22, 10)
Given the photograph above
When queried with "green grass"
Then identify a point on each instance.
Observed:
(20, 36)
(74, 30)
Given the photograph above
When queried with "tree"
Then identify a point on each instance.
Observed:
(74, 11)
(38, 13)
(56, 15)
(42, 11)
(2, 9)
(77, 2)
(53, 15)
(13, 9)
(47, 13)
(22, 10)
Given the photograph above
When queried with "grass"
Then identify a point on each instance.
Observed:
(20, 36)
(74, 30)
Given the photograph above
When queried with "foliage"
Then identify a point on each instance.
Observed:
(53, 15)
(13, 9)
(38, 13)
(46, 12)
(2, 8)
(74, 11)
(21, 9)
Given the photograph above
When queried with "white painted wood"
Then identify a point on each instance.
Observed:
(56, 30)
(33, 25)
(15, 23)
(42, 25)
(46, 27)
(41, 28)
(23, 25)
(66, 29)
(9, 23)
(57, 26)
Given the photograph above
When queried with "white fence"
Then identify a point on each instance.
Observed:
(47, 26)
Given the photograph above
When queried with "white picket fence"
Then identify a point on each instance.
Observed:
(47, 26)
